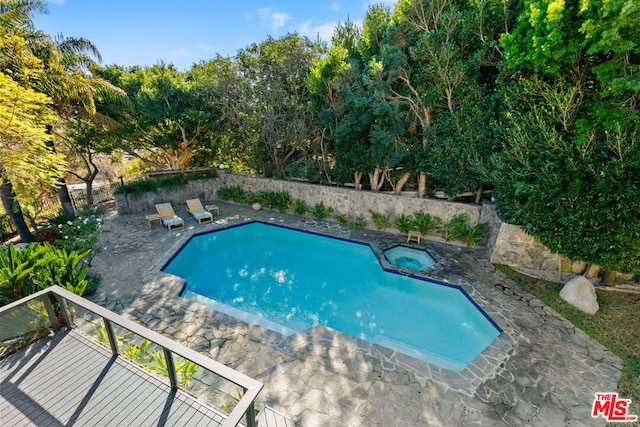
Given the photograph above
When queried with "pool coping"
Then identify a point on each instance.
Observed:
(486, 365)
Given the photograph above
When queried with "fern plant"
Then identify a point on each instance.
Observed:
(300, 207)
(321, 211)
(341, 218)
(424, 223)
(404, 223)
(475, 234)
(456, 229)
(380, 220)
(358, 222)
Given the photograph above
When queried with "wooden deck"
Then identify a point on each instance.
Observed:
(68, 380)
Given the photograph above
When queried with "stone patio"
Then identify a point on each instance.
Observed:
(541, 371)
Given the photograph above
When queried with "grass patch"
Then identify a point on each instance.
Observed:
(615, 326)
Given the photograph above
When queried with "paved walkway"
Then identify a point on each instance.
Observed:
(541, 371)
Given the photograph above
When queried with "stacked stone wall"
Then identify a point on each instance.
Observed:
(506, 243)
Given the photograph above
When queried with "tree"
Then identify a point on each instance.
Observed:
(165, 122)
(569, 172)
(284, 137)
(26, 163)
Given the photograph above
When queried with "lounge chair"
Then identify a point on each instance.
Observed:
(168, 216)
(194, 207)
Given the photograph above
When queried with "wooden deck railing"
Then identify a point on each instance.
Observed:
(250, 387)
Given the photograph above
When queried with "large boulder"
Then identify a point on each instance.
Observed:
(580, 293)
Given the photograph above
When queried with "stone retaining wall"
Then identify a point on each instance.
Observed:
(507, 244)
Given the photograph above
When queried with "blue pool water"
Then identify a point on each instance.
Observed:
(289, 281)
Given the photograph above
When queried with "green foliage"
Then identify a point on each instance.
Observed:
(18, 272)
(455, 229)
(474, 235)
(404, 222)
(36, 267)
(300, 207)
(380, 220)
(358, 222)
(424, 223)
(321, 211)
(235, 194)
(280, 200)
(174, 180)
(153, 359)
(341, 218)
(78, 232)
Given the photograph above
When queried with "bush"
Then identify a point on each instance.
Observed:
(36, 267)
(152, 185)
(280, 200)
(78, 232)
(404, 223)
(358, 222)
(341, 218)
(236, 194)
(455, 229)
(380, 220)
(321, 211)
(300, 207)
(424, 223)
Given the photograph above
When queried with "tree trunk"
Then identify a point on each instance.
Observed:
(397, 187)
(422, 184)
(61, 189)
(375, 179)
(357, 178)
(12, 207)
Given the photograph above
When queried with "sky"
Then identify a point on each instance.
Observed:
(183, 32)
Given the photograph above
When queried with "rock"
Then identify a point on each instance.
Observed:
(580, 293)
(256, 206)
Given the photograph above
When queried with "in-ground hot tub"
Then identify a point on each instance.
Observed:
(411, 258)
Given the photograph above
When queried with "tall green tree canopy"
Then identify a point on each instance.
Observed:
(569, 172)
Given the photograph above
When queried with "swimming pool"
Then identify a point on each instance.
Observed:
(288, 281)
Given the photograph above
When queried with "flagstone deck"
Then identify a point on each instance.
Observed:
(543, 372)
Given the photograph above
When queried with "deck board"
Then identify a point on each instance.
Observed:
(68, 380)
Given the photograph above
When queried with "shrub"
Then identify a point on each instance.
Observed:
(78, 233)
(455, 229)
(36, 267)
(149, 185)
(358, 222)
(380, 220)
(321, 211)
(341, 218)
(236, 194)
(280, 200)
(300, 207)
(424, 223)
(404, 223)
(476, 233)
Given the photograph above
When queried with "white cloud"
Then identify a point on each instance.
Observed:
(274, 19)
(335, 5)
(278, 20)
(325, 31)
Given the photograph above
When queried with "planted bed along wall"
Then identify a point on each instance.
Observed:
(507, 244)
